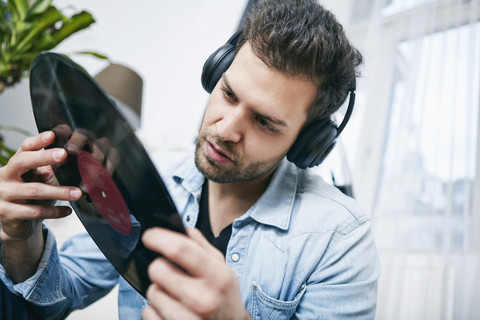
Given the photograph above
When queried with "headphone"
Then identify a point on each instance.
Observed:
(314, 142)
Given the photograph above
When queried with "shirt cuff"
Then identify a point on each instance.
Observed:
(44, 280)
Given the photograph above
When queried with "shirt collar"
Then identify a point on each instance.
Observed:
(188, 176)
(276, 204)
(273, 208)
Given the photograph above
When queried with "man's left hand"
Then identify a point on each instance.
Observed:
(191, 280)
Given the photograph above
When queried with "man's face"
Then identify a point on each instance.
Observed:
(251, 120)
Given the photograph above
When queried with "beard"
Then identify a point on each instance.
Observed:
(237, 171)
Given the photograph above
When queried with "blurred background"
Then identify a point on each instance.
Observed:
(410, 151)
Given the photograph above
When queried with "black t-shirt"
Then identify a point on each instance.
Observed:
(203, 224)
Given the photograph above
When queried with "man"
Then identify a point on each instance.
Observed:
(293, 246)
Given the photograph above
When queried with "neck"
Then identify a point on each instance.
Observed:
(228, 201)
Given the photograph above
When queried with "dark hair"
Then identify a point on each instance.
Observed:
(300, 37)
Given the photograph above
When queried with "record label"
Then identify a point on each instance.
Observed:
(104, 193)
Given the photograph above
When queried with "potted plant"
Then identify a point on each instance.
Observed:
(28, 27)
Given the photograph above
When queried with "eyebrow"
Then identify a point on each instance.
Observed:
(227, 84)
(273, 120)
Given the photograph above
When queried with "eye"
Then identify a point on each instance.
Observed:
(265, 125)
(228, 94)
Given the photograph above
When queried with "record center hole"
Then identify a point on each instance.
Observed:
(104, 195)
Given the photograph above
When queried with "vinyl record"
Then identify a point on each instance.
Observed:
(123, 193)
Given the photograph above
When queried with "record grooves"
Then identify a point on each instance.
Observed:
(123, 192)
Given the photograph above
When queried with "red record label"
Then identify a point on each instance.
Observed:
(104, 193)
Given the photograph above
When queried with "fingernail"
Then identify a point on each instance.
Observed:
(72, 148)
(76, 193)
(146, 234)
(46, 136)
(58, 154)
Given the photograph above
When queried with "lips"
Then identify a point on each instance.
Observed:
(216, 154)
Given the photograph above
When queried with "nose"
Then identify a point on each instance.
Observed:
(231, 127)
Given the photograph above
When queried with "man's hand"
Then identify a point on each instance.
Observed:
(27, 188)
(191, 281)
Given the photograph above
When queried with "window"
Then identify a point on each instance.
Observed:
(424, 197)
(395, 6)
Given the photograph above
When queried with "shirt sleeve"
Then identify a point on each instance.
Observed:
(71, 279)
(344, 286)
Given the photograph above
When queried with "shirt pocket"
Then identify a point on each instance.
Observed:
(266, 307)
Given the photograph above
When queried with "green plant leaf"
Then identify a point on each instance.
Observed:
(2, 13)
(38, 7)
(50, 17)
(44, 44)
(25, 58)
(21, 26)
(95, 54)
(4, 30)
(3, 160)
(19, 29)
(20, 8)
(12, 9)
(76, 23)
(8, 151)
(26, 133)
(5, 153)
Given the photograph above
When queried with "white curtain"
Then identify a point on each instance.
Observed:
(413, 147)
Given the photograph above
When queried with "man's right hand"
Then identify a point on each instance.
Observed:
(27, 189)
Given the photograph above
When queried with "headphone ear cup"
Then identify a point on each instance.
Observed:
(313, 144)
(216, 65)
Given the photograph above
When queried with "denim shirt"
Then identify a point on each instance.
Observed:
(304, 250)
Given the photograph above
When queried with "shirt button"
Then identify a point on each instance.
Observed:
(188, 219)
(235, 257)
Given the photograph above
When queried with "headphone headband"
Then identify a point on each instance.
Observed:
(348, 113)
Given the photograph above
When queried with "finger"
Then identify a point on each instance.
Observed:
(149, 314)
(103, 144)
(166, 306)
(62, 131)
(113, 159)
(197, 236)
(76, 142)
(45, 174)
(169, 277)
(98, 154)
(10, 212)
(177, 284)
(37, 142)
(45, 170)
(177, 248)
(38, 191)
(28, 160)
